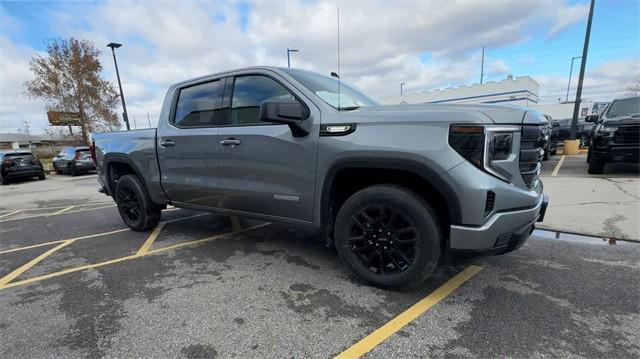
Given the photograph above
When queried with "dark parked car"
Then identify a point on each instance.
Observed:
(616, 136)
(583, 131)
(550, 130)
(19, 165)
(74, 161)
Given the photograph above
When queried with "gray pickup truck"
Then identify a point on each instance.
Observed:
(394, 188)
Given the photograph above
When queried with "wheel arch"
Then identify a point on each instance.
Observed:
(419, 178)
(119, 165)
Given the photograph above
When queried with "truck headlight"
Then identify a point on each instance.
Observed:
(607, 129)
(487, 147)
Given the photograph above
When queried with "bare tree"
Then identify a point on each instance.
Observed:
(633, 85)
(68, 78)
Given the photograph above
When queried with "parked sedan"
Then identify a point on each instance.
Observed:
(19, 165)
(74, 161)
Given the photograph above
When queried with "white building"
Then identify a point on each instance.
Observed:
(521, 91)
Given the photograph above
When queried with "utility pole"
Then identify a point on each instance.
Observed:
(482, 66)
(583, 63)
(289, 56)
(401, 84)
(148, 120)
(26, 129)
(570, 72)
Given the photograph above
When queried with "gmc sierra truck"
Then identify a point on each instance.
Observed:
(394, 188)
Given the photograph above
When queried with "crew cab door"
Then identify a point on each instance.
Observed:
(188, 143)
(263, 168)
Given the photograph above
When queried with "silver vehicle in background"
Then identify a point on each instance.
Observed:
(74, 161)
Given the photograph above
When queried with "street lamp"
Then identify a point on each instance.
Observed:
(401, 84)
(114, 46)
(570, 72)
(289, 57)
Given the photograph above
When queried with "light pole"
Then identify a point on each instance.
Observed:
(114, 46)
(583, 64)
(570, 72)
(401, 85)
(289, 57)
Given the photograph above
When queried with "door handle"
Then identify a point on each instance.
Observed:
(167, 143)
(232, 142)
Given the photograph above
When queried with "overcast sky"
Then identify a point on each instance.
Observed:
(427, 44)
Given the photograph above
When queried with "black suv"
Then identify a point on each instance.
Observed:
(19, 165)
(616, 136)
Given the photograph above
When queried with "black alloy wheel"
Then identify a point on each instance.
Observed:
(135, 205)
(382, 239)
(388, 236)
(129, 204)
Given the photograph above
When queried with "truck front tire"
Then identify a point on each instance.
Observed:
(134, 204)
(388, 236)
(596, 165)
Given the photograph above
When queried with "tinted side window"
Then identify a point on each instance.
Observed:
(249, 92)
(200, 105)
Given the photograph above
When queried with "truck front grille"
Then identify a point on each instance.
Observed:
(627, 135)
(531, 153)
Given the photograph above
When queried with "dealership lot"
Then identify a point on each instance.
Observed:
(74, 282)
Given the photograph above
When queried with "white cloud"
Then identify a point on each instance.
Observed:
(602, 83)
(381, 41)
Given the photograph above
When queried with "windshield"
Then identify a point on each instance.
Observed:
(326, 88)
(626, 107)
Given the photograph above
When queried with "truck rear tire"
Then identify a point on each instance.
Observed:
(388, 236)
(134, 204)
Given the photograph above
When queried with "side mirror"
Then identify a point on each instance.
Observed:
(293, 114)
(591, 118)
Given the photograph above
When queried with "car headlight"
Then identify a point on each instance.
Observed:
(607, 129)
(487, 147)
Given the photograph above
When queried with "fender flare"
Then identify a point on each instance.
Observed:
(425, 173)
(111, 158)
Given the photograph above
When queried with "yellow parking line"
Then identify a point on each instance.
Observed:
(64, 240)
(66, 209)
(121, 259)
(557, 169)
(381, 334)
(52, 214)
(10, 213)
(11, 276)
(208, 239)
(152, 237)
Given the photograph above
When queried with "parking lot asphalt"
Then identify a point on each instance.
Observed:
(79, 284)
(606, 205)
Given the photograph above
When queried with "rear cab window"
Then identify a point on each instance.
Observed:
(201, 105)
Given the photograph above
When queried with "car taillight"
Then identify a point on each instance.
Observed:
(7, 163)
(93, 152)
(77, 156)
(35, 161)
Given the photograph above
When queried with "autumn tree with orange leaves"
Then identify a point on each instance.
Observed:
(68, 78)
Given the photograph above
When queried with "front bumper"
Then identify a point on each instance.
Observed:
(617, 153)
(505, 230)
